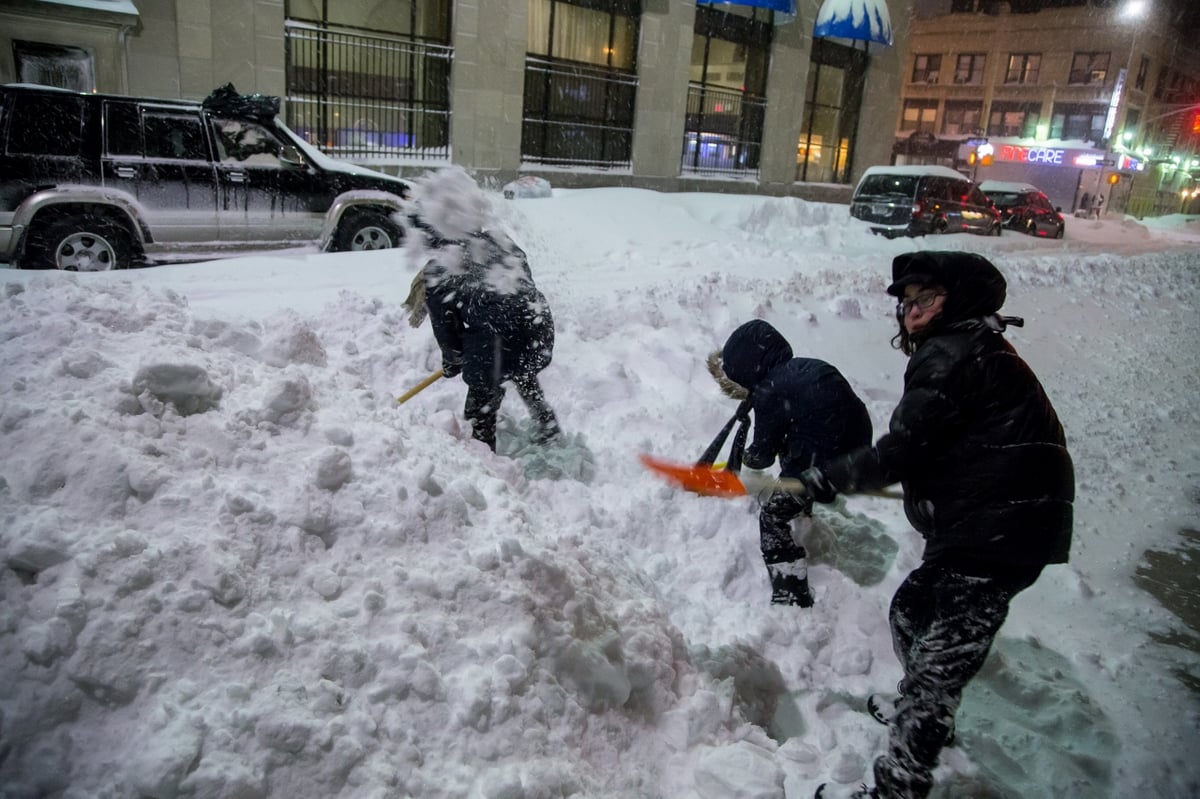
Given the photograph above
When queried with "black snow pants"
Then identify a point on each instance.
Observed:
(787, 561)
(488, 360)
(943, 624)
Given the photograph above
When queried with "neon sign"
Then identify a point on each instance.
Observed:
(1031, 155)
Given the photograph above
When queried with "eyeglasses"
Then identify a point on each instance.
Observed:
(924, 301)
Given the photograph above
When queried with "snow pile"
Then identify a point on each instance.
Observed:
(231, 566)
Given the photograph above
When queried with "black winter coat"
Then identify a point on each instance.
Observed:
(805, 411)
(979, 450)
(486, 312)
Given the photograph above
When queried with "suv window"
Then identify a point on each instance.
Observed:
(976, 197)
(33, 118)
(937, 189)
(877, 185)
(243, 142)
(122, 129)
(173, 135)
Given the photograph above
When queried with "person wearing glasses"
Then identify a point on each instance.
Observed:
(988, 483)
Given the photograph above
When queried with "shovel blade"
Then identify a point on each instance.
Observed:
(699, 479)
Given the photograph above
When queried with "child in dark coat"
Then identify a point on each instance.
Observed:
(804, 413)
(987, 482)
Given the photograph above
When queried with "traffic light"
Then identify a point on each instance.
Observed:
(983, 155)
(1114, 178)
(1196, 122)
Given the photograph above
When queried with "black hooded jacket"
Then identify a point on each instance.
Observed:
(804, 410)
(974, 440)
(486, 312)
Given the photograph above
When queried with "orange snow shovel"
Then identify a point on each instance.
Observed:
(703, 477)
(712, 481)
(419, 387)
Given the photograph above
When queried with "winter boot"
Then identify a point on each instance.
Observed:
(882, 708)
(829, 790)
(789, 583)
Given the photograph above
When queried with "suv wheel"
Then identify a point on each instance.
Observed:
(366, 230)
(79, 243)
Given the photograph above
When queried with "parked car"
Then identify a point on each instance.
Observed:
(1023, 207)
(918, 200)
(99, 181)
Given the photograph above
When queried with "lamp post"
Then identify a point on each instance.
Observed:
(1133, 11)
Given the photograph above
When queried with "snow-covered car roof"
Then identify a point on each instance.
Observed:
(915, 169)
(1006, 186)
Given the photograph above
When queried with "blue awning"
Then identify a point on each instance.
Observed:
(864, 20)
(786, 6)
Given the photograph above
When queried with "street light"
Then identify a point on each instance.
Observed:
(1133, 10)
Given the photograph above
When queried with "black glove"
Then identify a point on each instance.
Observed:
(820, 489)
(451, 368)
(743, 410)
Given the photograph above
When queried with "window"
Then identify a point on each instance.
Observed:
(174, 135)
(424, 19)
(1160, 85)
(1132, 117)
(1142, 73)
(968, 68)
(580, 85)
(240, 141)
(54, 65)
(962, 118)
(1077, 121)
(731, 47)
(122, 129)
(919, 115)
(1023, 68)
(1013, 119)
(832, 101)
(1089, 69)
(726, 102)
(33, 117)
(369, 78)
(926, 68)
(591, 33)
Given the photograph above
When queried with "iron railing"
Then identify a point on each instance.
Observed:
(577, 114)
(364, 96)
(723, 130)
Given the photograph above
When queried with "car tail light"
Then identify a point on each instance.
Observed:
(917, 210)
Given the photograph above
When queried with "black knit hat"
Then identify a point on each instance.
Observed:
(974, 287)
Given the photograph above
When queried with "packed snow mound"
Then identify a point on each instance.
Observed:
(232, 566)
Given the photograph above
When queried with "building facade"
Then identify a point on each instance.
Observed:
(1084, 99)
(664, 94)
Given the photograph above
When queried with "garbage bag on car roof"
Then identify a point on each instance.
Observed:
(226, 101)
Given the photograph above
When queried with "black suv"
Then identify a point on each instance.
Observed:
(910, 200)
(96, 181)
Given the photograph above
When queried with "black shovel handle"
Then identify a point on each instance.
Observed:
(739, 441)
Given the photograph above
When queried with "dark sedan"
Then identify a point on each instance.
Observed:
(1023, 207)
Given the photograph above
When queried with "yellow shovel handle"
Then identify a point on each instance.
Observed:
(419, 387)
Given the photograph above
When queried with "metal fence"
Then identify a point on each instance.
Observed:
(723, 130)
(360, 95)
(577, 114)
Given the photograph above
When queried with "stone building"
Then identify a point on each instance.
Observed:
(663, 94)
(1081, 98)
